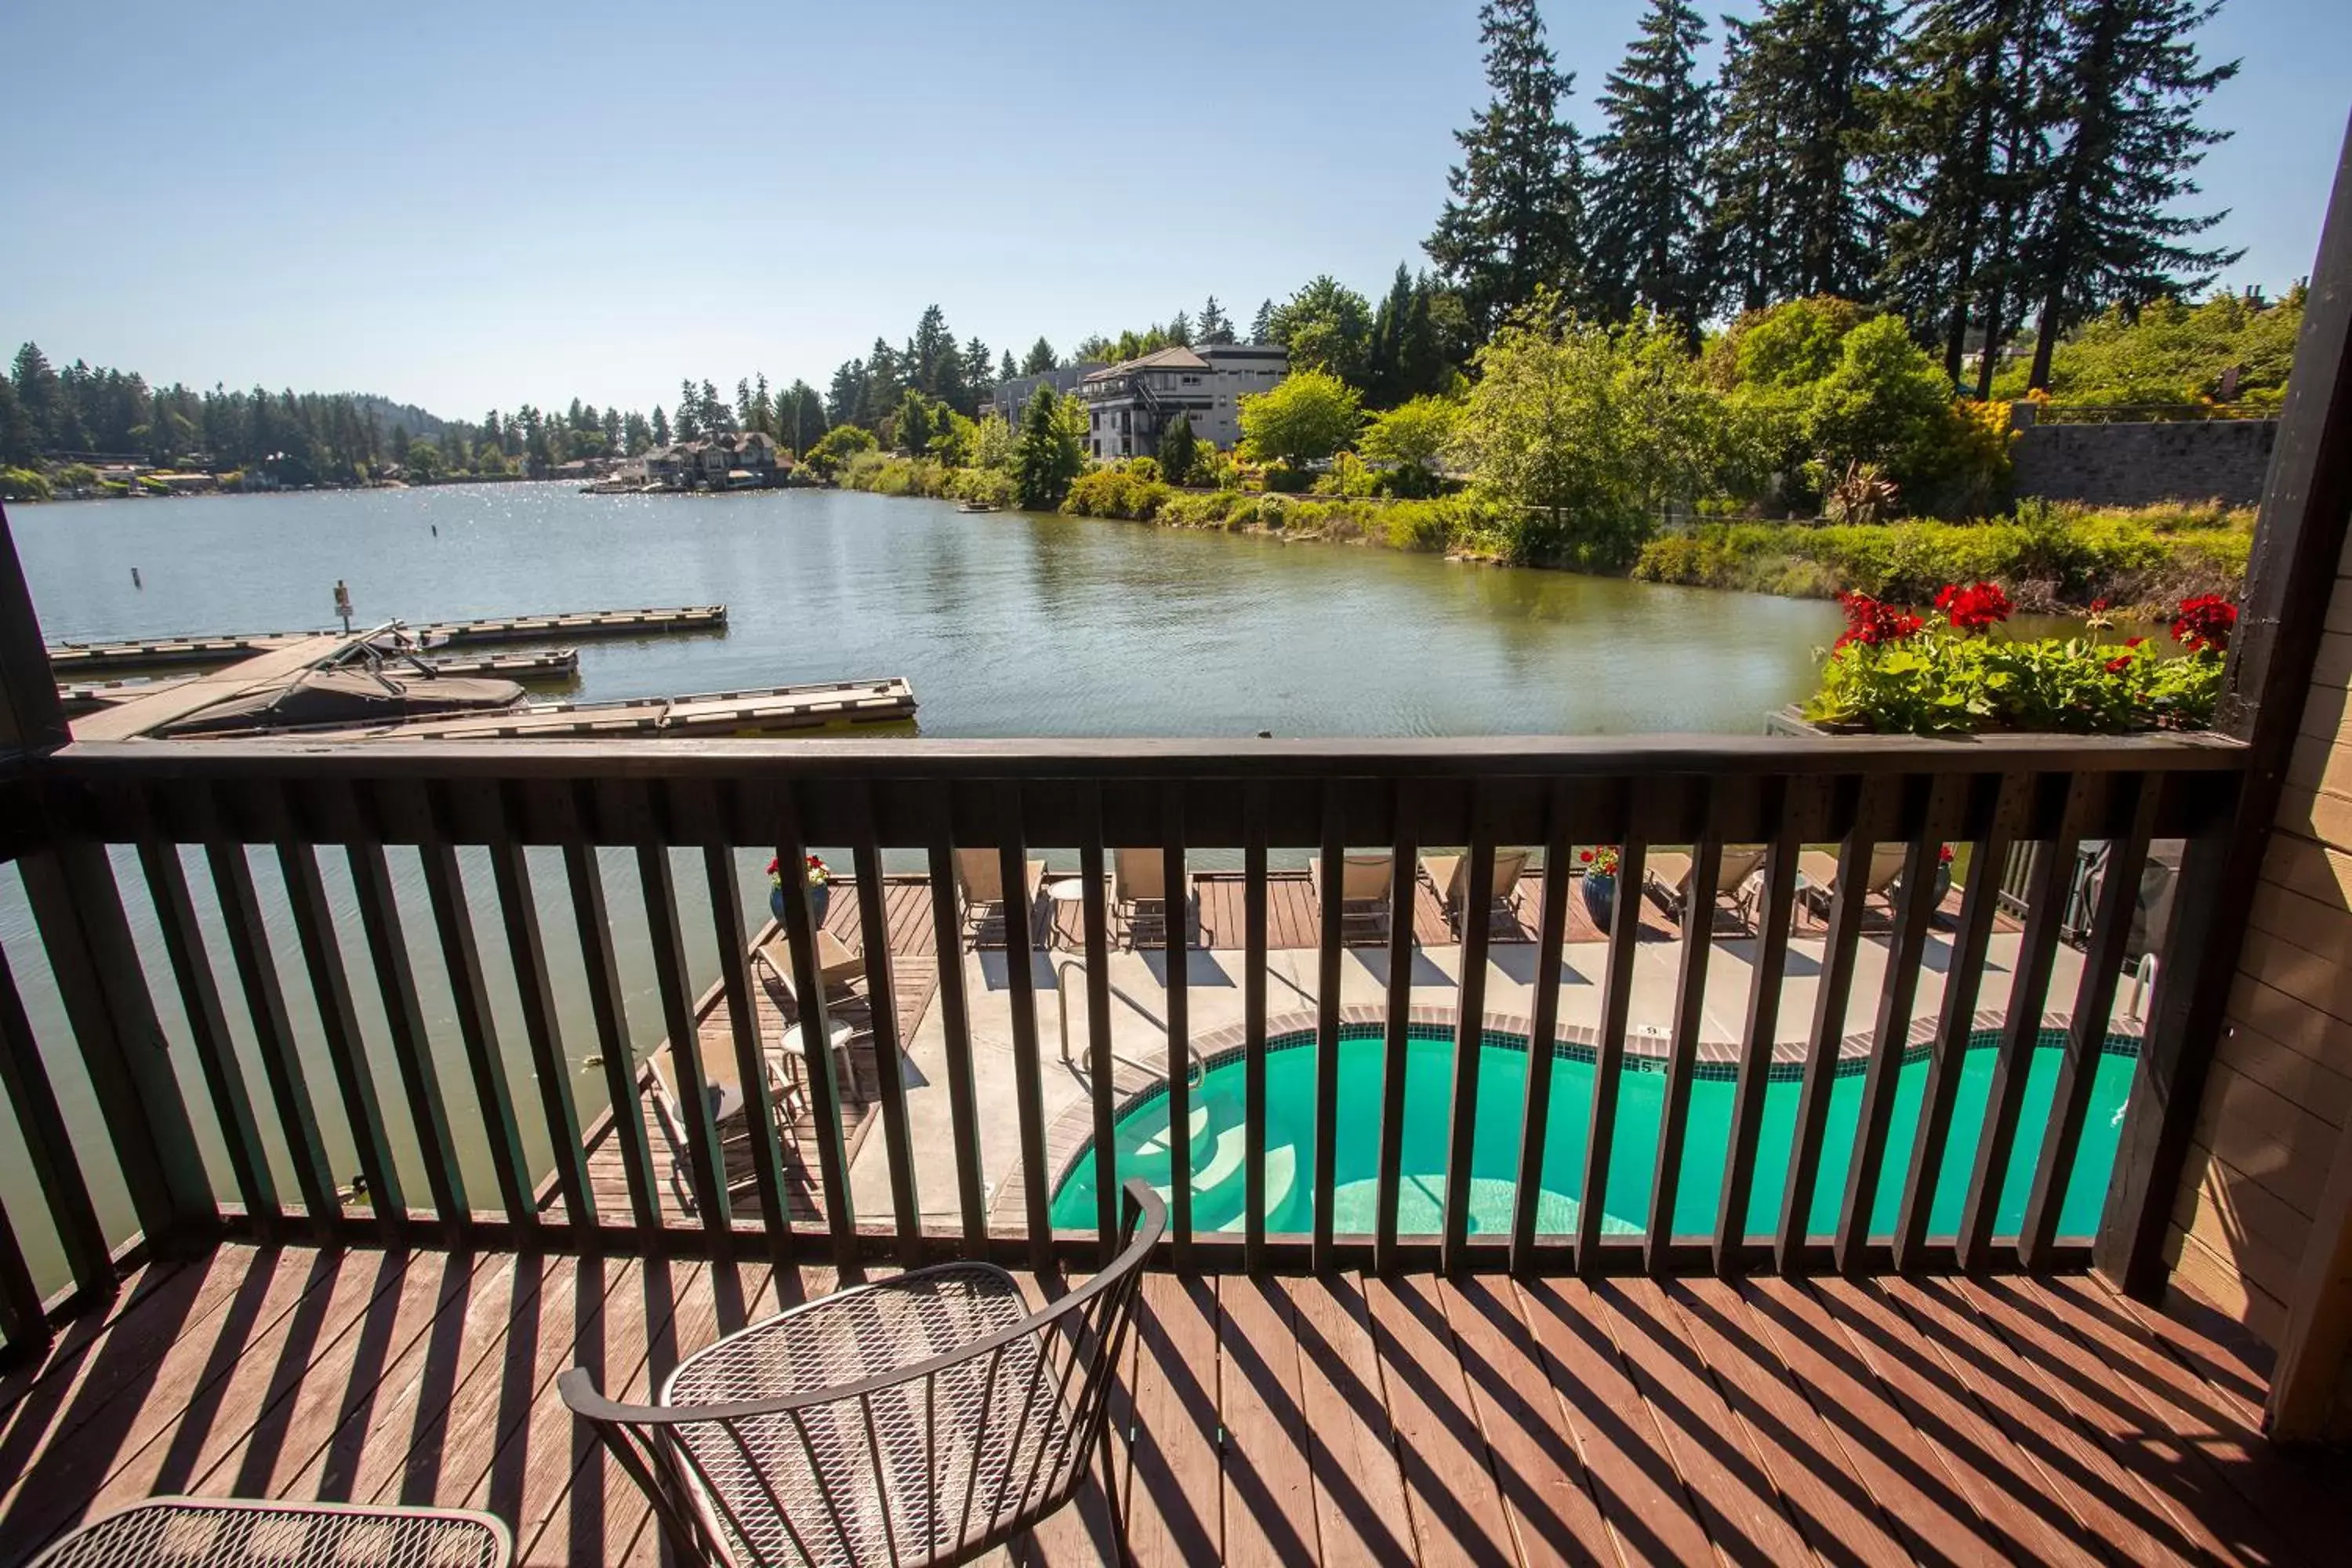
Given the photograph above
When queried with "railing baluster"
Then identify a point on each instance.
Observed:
(48, 1147)
(1825, 1045)
(338, 1024)
(1021, 993)
(1681, 1048)
(2086, 1036)
(1405, 860)
(1955, 1017)
(955, 1019)
(273, 1035)
(1097, 918)
(411, 1045)
(1778, 912)
(216, 1049)
(703, 1175)
(1332, 867)
(1253, 901)
(1469, 1029)
(542, 1034)
(23, 1319)
(585, 874)
(2169, 1078)
(1891, 1031)
(1535, 1120)
(453, 923)
(808, 992)
(1609, 1051)
(882, 998)
(2020, 1035)
(744, 1032)
(1176, 946)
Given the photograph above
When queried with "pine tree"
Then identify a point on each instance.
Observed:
(1048, 457)
(1961, 148)
(931, 357)
(1008, 367)
(979, 370)
(1180, 329)
(1262, 324)
(1382, 384)
(1794, 215)
(2131, 80)
(1648, 205)
(1216, 326)
(690, 412)
(1041, 360)
(1177, 449)
(1511, 226)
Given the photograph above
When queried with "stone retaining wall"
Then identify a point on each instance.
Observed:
(2141, 464)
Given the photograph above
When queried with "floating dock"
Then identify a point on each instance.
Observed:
(74, 659)
(553, 664)
(771, 711)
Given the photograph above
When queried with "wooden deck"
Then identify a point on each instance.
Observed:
(1339, 1419)
(915, 974)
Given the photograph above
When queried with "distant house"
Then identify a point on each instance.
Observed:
(1128, 405)
(736, 459)
(1008, 398)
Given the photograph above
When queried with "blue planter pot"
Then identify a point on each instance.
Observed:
(820, 901)
(1600, 899)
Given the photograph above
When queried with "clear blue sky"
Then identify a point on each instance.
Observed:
(464, 205)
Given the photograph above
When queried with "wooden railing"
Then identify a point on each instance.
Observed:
(298, 803)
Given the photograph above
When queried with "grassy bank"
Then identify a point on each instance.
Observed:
(2049, 556)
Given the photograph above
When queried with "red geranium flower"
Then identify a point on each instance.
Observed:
(1975, 607)
(2118, 664)
(2205, 621)
(1870, 622)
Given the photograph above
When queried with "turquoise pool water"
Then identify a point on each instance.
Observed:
(1142, 1143)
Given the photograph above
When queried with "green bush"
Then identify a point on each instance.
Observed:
(1939, 682)
(982, 487)
(1127, 492)
(24, 484)
(884, 473)
(2049, 556)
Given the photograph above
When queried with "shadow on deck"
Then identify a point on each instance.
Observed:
(1339, 1418)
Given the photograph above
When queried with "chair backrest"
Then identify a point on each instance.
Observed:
(1138, 874)
(1366, 877)
(979, 874)
(1886, 865)
(934, 1461)
(1739, 863)
(1509, 866)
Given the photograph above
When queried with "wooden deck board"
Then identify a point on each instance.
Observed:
(1332, 1419)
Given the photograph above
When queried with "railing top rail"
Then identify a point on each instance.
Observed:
(1602, 756)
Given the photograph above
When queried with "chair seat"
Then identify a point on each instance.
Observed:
(824, 1489)
(232, 1532)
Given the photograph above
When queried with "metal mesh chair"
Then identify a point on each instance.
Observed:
(925, 1419)
(233, 1533)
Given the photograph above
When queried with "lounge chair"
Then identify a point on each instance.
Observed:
(979, 888)
(1818, 868)
(1450, 876)
(735, 1156)
(1367, 882)
(1668, 881)
(1138, 892)
(837, 968)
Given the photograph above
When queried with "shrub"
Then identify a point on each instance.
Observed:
(836, 446)
(982, 487)
(1122, 492)
(24, 484)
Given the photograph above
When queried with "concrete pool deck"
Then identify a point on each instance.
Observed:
(1215, 995)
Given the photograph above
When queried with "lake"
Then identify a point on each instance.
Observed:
(1007, 624)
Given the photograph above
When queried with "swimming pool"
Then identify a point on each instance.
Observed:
(1142, 1143)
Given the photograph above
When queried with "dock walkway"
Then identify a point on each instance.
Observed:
(80, 658)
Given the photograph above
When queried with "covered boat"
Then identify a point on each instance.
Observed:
(347, 695)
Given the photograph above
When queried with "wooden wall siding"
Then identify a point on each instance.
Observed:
(2277, 1117)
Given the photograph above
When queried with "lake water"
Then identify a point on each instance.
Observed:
(1007, 624)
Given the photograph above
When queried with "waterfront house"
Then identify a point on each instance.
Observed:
(1128, 405)
(733, 459)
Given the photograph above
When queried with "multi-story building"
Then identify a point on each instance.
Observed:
(1129, 403)
(1010, 398)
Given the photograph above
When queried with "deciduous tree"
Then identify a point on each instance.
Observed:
(1310, 414)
